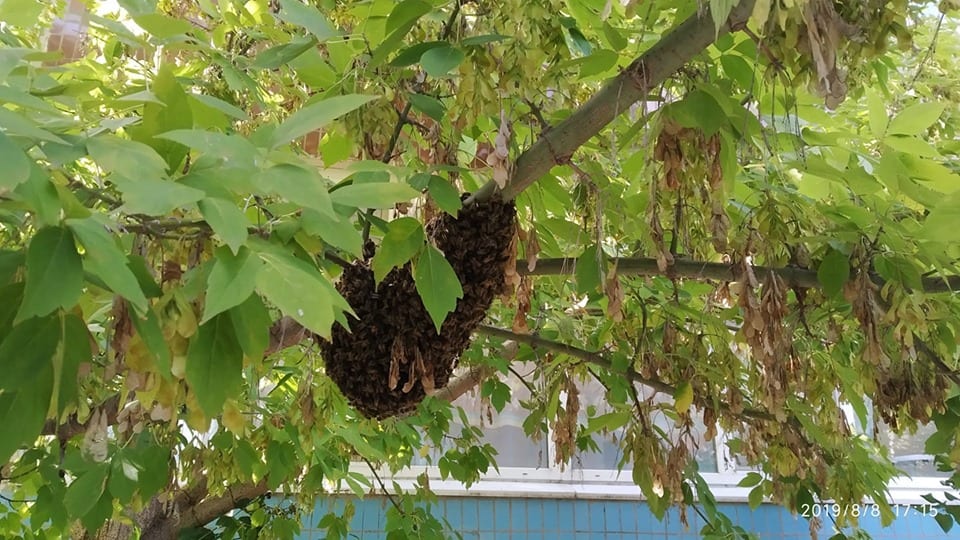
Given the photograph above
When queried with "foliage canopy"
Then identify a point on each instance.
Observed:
(742, 213)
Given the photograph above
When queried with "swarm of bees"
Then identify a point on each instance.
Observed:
(392, 355)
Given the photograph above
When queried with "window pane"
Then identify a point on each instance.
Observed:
(907, 450)
(504, 430)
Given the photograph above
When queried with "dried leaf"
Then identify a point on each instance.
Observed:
(615, 296)
(532, 249)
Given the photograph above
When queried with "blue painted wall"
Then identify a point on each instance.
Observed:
(481, 518)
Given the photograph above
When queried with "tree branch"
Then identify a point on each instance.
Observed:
(209, 509)
(462, 384)
(599, 360)
(794, 277)
(615, 98)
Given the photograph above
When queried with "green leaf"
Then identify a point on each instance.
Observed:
(233, 151)
(163, 26)
(373, 195)
(755, 497)
(298, 185)
(614, 37)
(27, 384)
(738, 69)
(74, 352)
(307, 16)
(154, 460)
(172, 113)
(281, 55)
(406, 12)
(155, 197)
(699, 110)
(10, 264)
(750, 480)
(683, 396)
(437, 284)
(17, 124)
(916, 119)
(297, 289)
(27, 349)
(148, 328)
(911, 145)
(833, 272)
(600, 61)
(16, 164)
(877, 111)
(428, 105)
(221, 105)
(124, 477)
(317, 115)
(339, 232)
(587, 272)
(438, 61)
(609, 421)
(84, 492)
(226, 220)
(945, 521)
(40, 195)
(475, 41)
(445, 195)
(105, 260)
(943, 222)
(411, 55)
(404, 239)
(130, 159)
(251, 321)
(215, 364)
(232, 280)
(720, 11)
(21, 13)
(54, 273)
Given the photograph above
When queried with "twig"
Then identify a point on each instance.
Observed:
(383, 486)
(929, 53)
(448, 27)
(15, 501)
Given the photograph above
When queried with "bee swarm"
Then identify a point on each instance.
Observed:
(392, 355)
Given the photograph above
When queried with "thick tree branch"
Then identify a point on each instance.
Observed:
(615, 98)
(209, 509)
(794, 277)
(462, 384)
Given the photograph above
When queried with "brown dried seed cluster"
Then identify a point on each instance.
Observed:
(392, 355)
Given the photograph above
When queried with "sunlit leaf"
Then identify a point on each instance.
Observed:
(437, 284)
(404, 239)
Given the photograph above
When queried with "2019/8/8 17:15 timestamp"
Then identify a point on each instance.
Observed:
(826, 510)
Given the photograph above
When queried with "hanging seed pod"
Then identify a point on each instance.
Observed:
(392, 355)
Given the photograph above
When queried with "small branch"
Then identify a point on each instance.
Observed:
(397, 129)
(462, 384)
(929, 51)
(383, 486)
(448, 27)
(599, 360)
